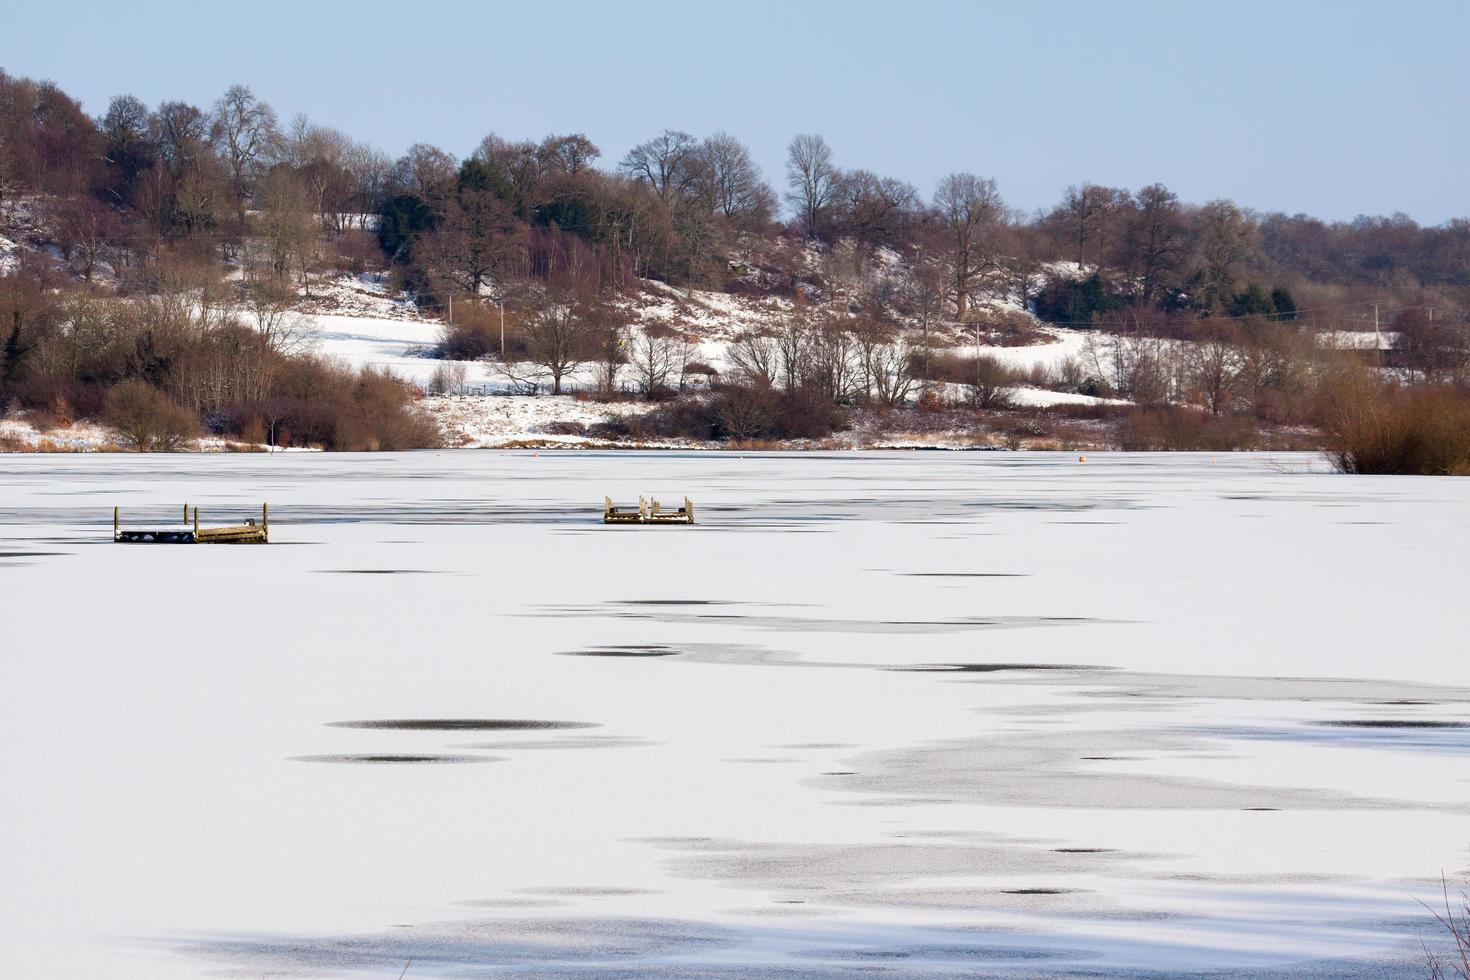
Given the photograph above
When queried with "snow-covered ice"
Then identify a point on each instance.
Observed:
(944, 714)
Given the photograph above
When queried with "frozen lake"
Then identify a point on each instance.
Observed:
(906, 714)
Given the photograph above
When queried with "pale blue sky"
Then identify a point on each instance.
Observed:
(1331, 108)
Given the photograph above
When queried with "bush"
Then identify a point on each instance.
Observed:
(447, 379)
(742, 413)
(474, 334)
(1184, 430)
(1376, 428)
(147, 419)
(322, 404)
(987, 381)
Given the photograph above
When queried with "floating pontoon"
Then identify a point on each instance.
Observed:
(647, 512)
(247, 533)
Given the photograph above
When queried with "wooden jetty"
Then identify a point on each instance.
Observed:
(248, 533)
(647, 512)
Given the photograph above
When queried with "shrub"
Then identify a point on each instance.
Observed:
(1184, 430)
(319, 403)
(1376, 428)
(147, 419)
(743, 413)
(474, 334)
(447, 379)
(987, 381)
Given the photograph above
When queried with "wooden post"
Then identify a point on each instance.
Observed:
(196, 525)
(114, 523)
(689, 507)
(265, 522)
(186, 513)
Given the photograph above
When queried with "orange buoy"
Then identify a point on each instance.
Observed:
(1081, 459)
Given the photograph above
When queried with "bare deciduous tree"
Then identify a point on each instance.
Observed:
(971, 209)
(245, 131)
(1154, 240)
(754, 358)
(812, 179)
(657, 353)
(667, 163)
(270, 305)
(559, 336)
(730, 182)
(288, 226)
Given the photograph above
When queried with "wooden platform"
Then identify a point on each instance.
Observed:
(647, 512)
(247, 533)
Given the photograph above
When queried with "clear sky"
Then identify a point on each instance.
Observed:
(1334, 108)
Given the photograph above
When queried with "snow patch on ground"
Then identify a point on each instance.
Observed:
(1029, 397)
(1063, 345)
(1358, 339)
(478, 422)
(9, 256)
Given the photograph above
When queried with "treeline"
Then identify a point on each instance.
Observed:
(137, 180)
(548, 240)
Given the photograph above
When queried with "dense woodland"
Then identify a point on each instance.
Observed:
(175, 241)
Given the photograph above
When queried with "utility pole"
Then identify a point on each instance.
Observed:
(501, 304)
(451, 309)
(1377, 336)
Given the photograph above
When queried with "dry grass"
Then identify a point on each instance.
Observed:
(10, 444)
(1457, 924)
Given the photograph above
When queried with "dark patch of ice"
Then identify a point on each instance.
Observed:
(394, 759)
(462, 724)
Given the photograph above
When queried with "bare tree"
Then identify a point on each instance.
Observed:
(559, 337)
(447, 379)
(318, 155)
(270, 306)
(666, 163)
(1213, 366)
(610, 340)
(754, 358)
(892, 370)
(8, 182)
(887, 362)
(85, 227)
(569, 155)
(923, 297)
(368, 169)
(245, 131)
(730, 182)
(657, 353)
(972, 210)
(1226, 241)
(476, 236)
(288, 225)
(427, 172)
(877, 210)
(1086, 212)
(812, 179)
(1154, 240)
(519, 166)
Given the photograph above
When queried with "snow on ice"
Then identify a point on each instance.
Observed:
(945, 713)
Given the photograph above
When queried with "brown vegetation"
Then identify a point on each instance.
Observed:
(1374, 427)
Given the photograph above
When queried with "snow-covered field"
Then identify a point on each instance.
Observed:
(926, 714)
